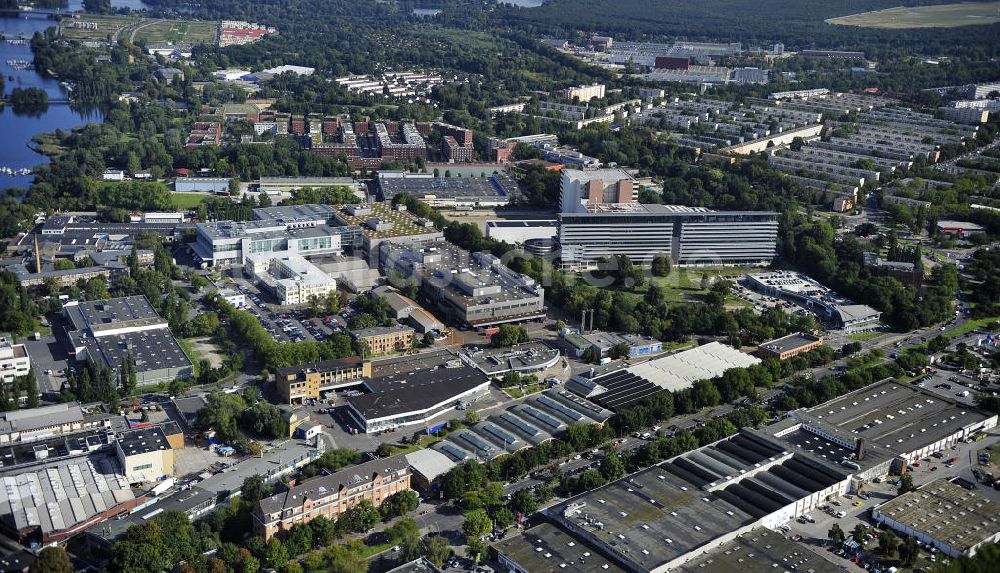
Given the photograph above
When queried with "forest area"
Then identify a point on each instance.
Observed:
(798, 24)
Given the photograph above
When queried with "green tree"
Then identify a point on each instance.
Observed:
(477, 524)
(510, 379)
(859, 532)
(254, 488)
(836, 535)
(30, 385)
(620, 350)
(850, 348)
(524, 502)
(589, 480)
(176, 387)
(97, 288)
(428, 339)
(661, 265)
(437, 549)
(51, 560)
(905, 483)
(275, 555)
(399, 503)
(908, 551)
(888, 543)
(938, 344)
(509, 335)
(612, 467)
(475, 550)
(360, 518)
(403, 531)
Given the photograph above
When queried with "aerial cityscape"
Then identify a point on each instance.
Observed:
(500, 286)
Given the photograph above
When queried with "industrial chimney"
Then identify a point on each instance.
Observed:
(859, 449)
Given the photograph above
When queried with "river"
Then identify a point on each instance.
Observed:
(18, 130)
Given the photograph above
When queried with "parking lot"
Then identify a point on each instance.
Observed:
(49, 359)
(287, 325)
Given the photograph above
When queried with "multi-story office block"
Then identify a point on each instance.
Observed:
(474, 289)
(292, 278)
(581, 190)
(295, 384)
(689, 235)
(300, 229)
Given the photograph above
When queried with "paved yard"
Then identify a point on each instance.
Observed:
(48, 354)
(204, 348)
(193, 459)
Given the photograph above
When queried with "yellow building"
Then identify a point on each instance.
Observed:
(295, 384)
(385, 339)
(145, 455)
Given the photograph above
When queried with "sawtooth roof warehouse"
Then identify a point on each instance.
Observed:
(701, 506)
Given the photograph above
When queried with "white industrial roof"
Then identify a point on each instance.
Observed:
(429, 463)
(681, 370)
(63, 494)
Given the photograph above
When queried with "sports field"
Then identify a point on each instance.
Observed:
(188, 200)
(937, 16)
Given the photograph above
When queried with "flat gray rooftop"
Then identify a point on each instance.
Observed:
(35, 418)
(292, 213)
(665, 512)
(25, 453)
(790, 342)
(759, 551)
(143, 440)
(150, 349)
(113, 313)
(946, 512)
(899, 417)
(650, 518)
(519, 358)
(547, 548)
(497, 186)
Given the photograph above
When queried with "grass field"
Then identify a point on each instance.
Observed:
(192, 355)
(684, 284)
(177, 32)
(865, 336)
(971, 325)
(145, 30)
(937, 16)
(188, 200)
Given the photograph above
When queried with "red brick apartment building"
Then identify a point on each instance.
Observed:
(331, 495)
(204, 133)
(790, 346)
